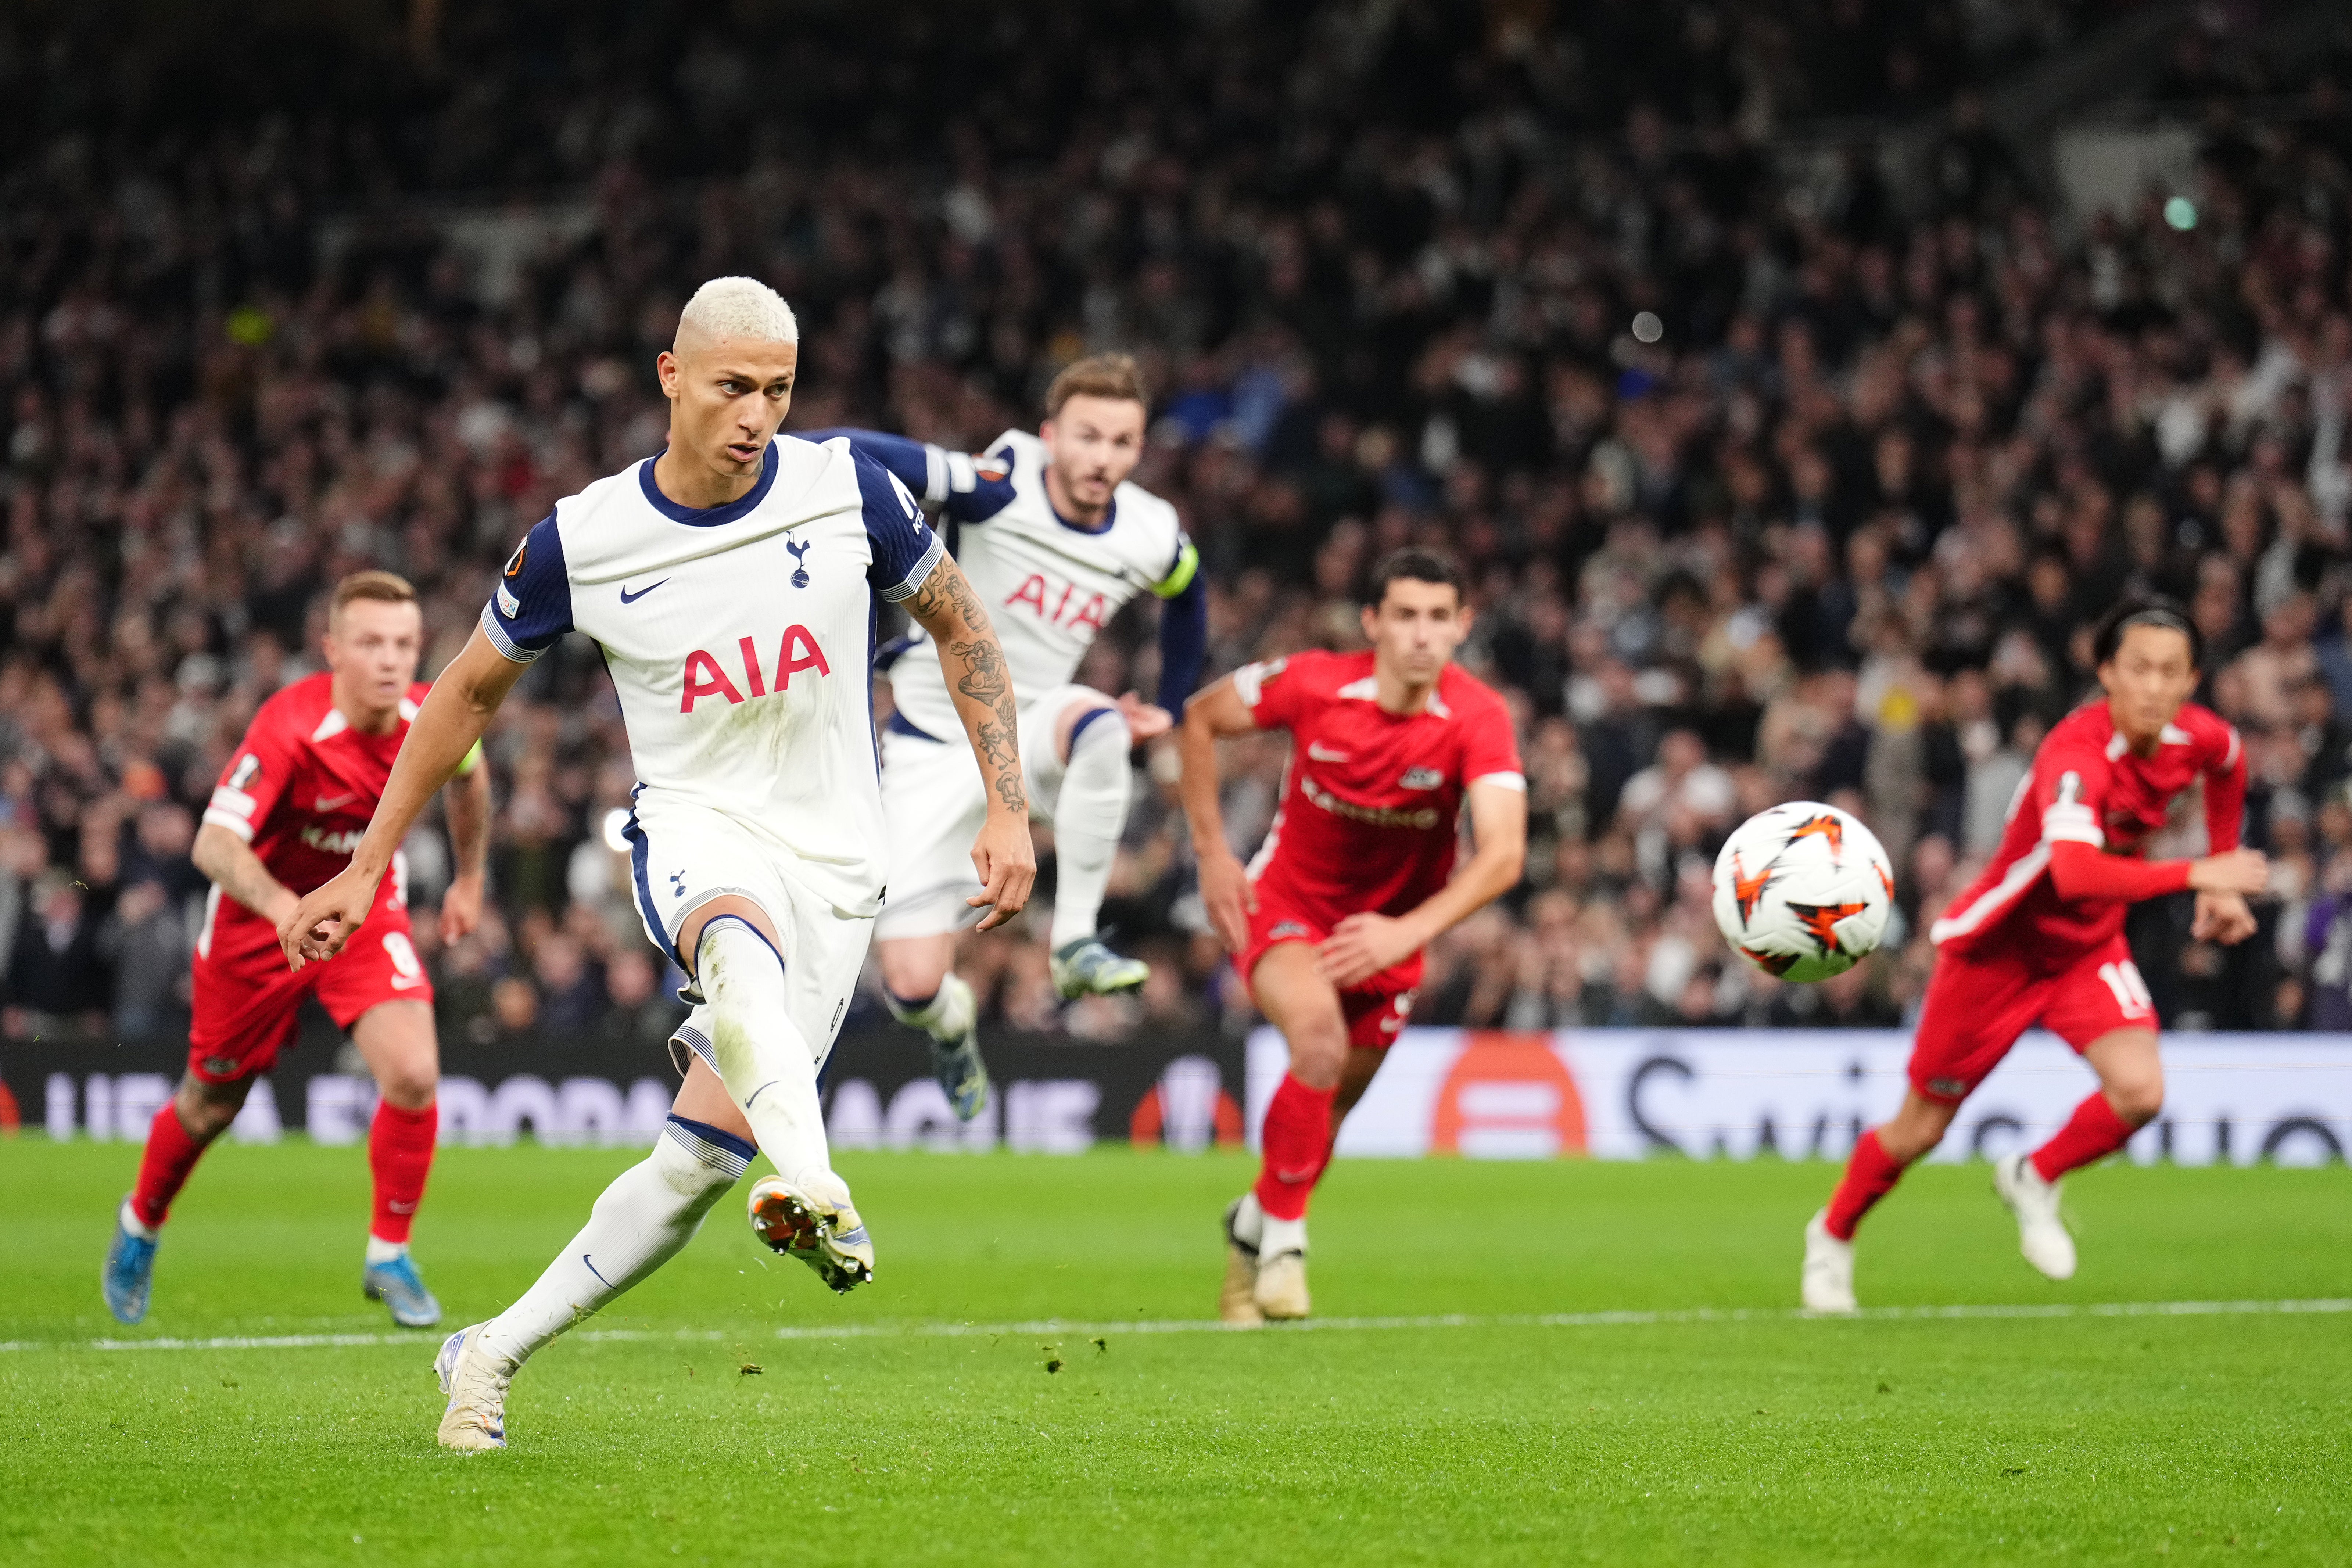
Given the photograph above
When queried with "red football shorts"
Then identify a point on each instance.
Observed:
(1976, 1007)
(1375, 1010)
(246, 998)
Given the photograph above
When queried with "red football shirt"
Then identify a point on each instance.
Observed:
(304, 783)
(1370, 798)
(2088, 787)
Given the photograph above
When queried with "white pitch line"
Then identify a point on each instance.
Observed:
(1630, 1318)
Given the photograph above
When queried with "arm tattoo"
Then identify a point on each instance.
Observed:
(945, 591)
(1003, 757)
(974, 661)
(984, 679)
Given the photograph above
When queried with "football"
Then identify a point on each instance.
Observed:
(1802, 891)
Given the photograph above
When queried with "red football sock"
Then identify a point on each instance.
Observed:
(400, 1153)
(1297, 1144)
(2092, 1133)
(1870, 1175)
(163, 1169)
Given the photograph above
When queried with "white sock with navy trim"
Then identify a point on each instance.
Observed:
(944, 1016)
(640, 1222)
(763, 1058)
(1089, 813)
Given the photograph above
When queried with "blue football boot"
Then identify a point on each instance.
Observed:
(398, 1286)
(130, 1270)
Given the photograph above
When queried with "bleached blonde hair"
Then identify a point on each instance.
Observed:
(740, 308)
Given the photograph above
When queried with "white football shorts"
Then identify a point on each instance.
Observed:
(934, 804)
(682, 855)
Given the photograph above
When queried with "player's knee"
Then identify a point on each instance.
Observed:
(1096, 732)
(1903, 1144)
(408, 1085)
(743, 975)
(737, 962)
(2137, 1096)
(1318, 1052)
(206, 1109)
(914, 972)
(1916, 1129)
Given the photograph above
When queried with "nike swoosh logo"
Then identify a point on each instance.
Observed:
(329, 802)
(1323, 753)
(629, 598)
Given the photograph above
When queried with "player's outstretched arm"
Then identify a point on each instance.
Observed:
(1361, 945)
(2081, 872)
(452, 718)
(230, 864)
(466, 801)
(981, 685)
(1226, 896)
(2223, 917)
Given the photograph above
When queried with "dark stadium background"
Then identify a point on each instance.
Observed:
(1797, 380)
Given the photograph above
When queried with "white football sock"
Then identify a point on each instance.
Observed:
(945, 1017)
(763, 1059)
(1090, 812)
(1280, 1236)
(1249, 1221)
(131, 1223)
(381, 1251)
(651, 1210)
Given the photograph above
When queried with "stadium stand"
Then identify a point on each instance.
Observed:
(1783, 468)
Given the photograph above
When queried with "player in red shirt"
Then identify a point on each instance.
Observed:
(290, 808)
(2039, 937)
(1356, 877)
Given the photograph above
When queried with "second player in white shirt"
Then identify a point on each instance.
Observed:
(1054, 539)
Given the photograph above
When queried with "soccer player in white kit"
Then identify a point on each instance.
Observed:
(728, 583)
(1054, 540)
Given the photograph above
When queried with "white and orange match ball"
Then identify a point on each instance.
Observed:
(1803, 891)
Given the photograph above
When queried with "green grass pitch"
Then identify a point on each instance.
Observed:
(1702, 1437)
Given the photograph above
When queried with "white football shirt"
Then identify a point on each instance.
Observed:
(740, 642)
(1049, 584)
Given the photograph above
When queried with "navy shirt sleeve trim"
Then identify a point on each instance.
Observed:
(530, 608)
(905, 587)
(979, 488)
(904, 549)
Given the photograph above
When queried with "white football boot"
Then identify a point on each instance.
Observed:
(1827, 1281)
(2042, 1236)
(1281, 1288)
(814, 1222)
(475, 1382)
(1280, 1291)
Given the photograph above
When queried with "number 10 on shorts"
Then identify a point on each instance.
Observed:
(2132, 994)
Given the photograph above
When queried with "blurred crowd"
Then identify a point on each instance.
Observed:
(1768, 488)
